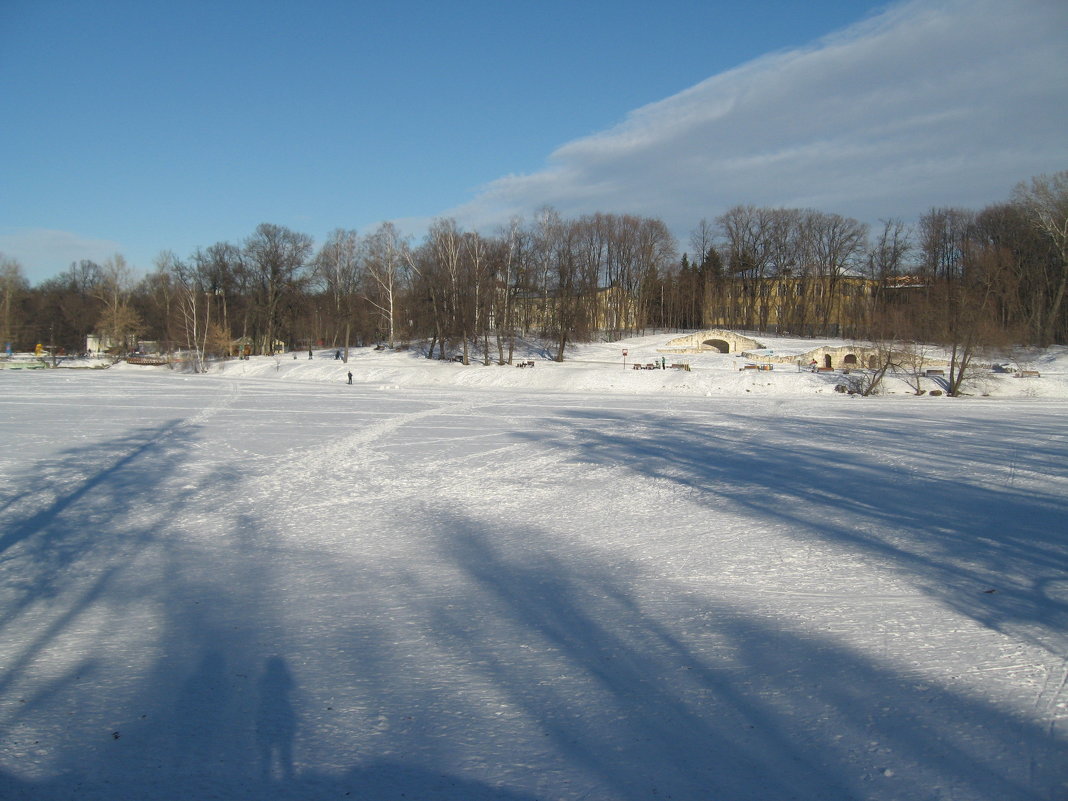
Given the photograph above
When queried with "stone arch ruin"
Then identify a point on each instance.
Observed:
(712, 339)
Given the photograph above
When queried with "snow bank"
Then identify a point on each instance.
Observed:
(601, 367)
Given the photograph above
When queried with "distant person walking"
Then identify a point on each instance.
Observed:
(350, 376)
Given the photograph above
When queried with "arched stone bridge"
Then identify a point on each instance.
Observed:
(714, 339)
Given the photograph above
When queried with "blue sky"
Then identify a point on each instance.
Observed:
(135, 127)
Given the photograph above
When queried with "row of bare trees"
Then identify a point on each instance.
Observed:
(806, 253)
(956, 276)
(981, 280)
(997, 273)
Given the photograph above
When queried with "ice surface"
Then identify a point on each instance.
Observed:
(568, 582)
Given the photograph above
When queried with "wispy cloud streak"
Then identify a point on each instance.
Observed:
(948, 102)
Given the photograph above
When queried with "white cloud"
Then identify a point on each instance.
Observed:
(933, 102)
(45, 253)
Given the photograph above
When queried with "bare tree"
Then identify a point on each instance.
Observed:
(959, 292)
(194, 301)
(1045, 200)
(385, 263)
(702, 240)
(65, 308)
(447, 247)
(743, 230)
(545, 230)
(888, 350)
(512, 248)
(654, 254)
(119, 323)
(569, 318)
(12, 286)
(945, 234)
(427, 299)
(914, 359)
(886, 259)
(276, 258)
(478, 276)
(787, 250)
(337, 270)
(225, 278)
(708, 274)
(836, 245)
(155, 299)
(966, 328)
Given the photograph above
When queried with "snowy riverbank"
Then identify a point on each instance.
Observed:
(602, 368)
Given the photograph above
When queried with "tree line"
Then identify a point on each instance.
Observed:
(956, 276)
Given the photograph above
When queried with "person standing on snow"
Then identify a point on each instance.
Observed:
(350, 376)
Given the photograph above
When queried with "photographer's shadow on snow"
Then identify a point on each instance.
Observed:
(276, 721)
(201, 715)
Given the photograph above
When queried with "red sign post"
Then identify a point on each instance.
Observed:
(624, 358)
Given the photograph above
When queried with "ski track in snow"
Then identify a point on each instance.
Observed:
(245, 587)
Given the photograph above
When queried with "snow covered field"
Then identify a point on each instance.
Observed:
(568, 582)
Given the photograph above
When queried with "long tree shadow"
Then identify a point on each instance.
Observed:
(705, 700)
(86, 559)
(514, 669)
(144, 659)
(83, 517)
(968, 514)
(610, 695)
(112, 473)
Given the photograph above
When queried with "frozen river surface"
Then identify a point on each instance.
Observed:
(244, 588)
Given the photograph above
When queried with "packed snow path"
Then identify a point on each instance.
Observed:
(252, 589)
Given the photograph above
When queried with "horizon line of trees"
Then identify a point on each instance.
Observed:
(997, 275)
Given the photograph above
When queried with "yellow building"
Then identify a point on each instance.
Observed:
(801, 305)
(609, 309)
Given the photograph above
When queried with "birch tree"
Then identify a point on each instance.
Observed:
(385, 263)
(193, 302)
(512, 244)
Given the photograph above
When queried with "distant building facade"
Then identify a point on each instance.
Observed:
(790, 304)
